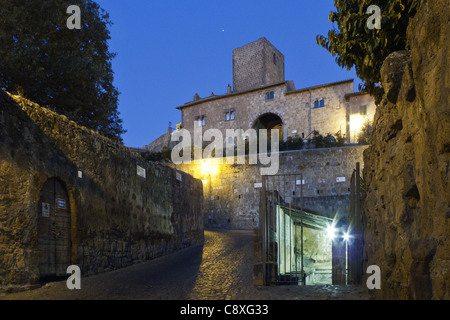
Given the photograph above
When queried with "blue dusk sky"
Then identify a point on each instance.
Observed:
(168, 50)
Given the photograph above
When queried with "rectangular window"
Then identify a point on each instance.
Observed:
(363, 110)
(229, 115)
(200, 121)
(270, 95)
(319, 104)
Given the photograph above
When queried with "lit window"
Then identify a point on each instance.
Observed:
(270, 95)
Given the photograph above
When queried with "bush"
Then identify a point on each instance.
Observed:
(328, 141)
(292, 143)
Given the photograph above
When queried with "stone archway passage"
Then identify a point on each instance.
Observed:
(270, 121)
(54, 222)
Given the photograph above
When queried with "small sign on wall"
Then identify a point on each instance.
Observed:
(340, 179)
(45, 210)
(179, 176)
(258, 185)
(61, 204)
(300, 182)
(141, 172)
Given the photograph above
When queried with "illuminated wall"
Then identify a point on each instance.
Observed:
(232, 192)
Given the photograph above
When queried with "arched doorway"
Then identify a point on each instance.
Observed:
(54, 225)
(270, 121)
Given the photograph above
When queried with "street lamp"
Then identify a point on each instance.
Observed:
(347, 236)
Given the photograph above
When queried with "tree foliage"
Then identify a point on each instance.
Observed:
(355, 45)
(68, 71)
(365, 133)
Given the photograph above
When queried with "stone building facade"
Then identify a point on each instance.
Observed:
(261, 97)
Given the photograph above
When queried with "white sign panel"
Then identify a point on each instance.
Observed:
(300, 182)
(45, 210)
(258, 185)
(61, 204)
(179, 177)
(340, 179)
(140, 172)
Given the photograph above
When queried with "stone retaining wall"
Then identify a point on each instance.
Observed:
(232, 192)
(117, 217)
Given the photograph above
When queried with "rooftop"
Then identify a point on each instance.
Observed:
(288, 92)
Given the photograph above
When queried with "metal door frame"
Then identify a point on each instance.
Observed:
(282, 204)
(270, 205)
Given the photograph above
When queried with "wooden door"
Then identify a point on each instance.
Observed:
(54, 244)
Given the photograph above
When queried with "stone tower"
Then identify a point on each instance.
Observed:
(257, 64)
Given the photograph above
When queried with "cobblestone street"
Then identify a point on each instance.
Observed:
(220, 270)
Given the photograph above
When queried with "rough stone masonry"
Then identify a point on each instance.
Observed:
(407, 165)
(112, 209)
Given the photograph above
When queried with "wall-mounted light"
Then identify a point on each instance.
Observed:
(356, 123)
(331, 232)
(209, 168)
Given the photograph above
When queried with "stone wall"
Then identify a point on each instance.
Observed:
(232, 193)
(117, 217)
(407, 165)
(159, 144)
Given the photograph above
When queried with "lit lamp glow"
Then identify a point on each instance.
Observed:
(331, 232)
(356, 123)
(347, 236)
(208, 168)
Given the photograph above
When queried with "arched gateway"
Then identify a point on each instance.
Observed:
(270, 121)
(54, 226)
